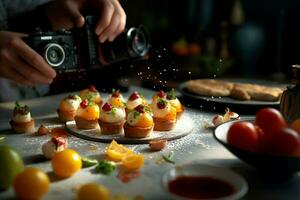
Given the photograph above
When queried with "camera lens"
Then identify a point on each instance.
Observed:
(138, 41)
(54, 54)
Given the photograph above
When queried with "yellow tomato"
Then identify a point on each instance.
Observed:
(133, 161)
(91, 112)
(172, 114)
(145, 120)
(296, 125)
(93, 191)
(65, 163)
(117, 151)
(32, 183)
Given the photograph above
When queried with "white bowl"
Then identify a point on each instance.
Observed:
(202, 169)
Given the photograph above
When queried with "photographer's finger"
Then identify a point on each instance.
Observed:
(105, 18)
(35, 60)
(14, 75)
(120, 28)
(111, 30)
(29, 72)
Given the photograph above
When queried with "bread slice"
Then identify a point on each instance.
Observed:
(137, 132)
(111, 128)
(245, 91)
(23, 127)
(86, 124)
(209, 87)
(161, 124)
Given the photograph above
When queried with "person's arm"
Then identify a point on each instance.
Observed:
(68, 13)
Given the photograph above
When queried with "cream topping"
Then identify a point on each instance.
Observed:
(22, 118)
(133, 118)
(160, 113)
(71, 104)
(114, 116)
(132, 104)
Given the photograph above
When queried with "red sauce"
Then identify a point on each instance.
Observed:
(202, 187)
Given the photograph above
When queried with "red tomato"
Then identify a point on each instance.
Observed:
(270, 120)
(243, 135)
(285, 142)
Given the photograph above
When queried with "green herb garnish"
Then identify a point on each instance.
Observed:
(136, 114)
(113, 111)
(171, 94)
(105, 167)
(168, 158)
(88, 162)
(24, 110)
(148, 110)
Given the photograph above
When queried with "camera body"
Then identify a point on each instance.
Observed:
(79, 49)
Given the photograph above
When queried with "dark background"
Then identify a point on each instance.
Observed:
(256, 39)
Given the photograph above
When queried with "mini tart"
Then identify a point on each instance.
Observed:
(23, 127)
(68, 107)
(82, 123)
(164, 115)
(92, 94)
(139, 123)
(112, 119)
(137, 132)
(65, 116)
(161, 124)
(134, 100)
(22, 122)
(111, 128)
(87, 115)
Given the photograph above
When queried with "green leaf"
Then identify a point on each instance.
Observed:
(105, 167)
(113, 112)
(136, 114)
(168, 158)
(171, 94)
(88, 162)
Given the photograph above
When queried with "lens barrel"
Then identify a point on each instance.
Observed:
(54, 54)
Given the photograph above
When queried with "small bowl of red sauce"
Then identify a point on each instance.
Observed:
(204, 181)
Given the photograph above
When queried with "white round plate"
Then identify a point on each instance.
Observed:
(183, 127)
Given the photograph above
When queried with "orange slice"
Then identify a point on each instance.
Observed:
(117, 151)
(133, 161)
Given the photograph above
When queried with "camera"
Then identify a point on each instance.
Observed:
(79, 49)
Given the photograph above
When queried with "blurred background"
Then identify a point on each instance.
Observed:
(209, 39)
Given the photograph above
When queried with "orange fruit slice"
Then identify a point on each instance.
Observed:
(133, 161)
(117, 151)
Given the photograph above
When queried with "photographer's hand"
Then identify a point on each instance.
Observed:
(20, 63)
(65, 14)
(112, 19)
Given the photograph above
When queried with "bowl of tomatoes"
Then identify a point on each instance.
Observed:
(267, 142)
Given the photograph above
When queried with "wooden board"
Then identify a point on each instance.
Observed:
(183, 127)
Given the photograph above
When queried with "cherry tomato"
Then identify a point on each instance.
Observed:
(270, 120)
(32, 183)
(93, 191)
(65, 163)
(243, 135)
(285, 142)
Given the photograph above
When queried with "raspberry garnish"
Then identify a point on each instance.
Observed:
(134, 96)
(161, 94)
(84, 103)
(106, 107)
(140, 108)
(161, 104)
(116, 94)
(92, 88)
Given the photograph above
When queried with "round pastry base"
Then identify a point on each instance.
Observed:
(183, 127)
